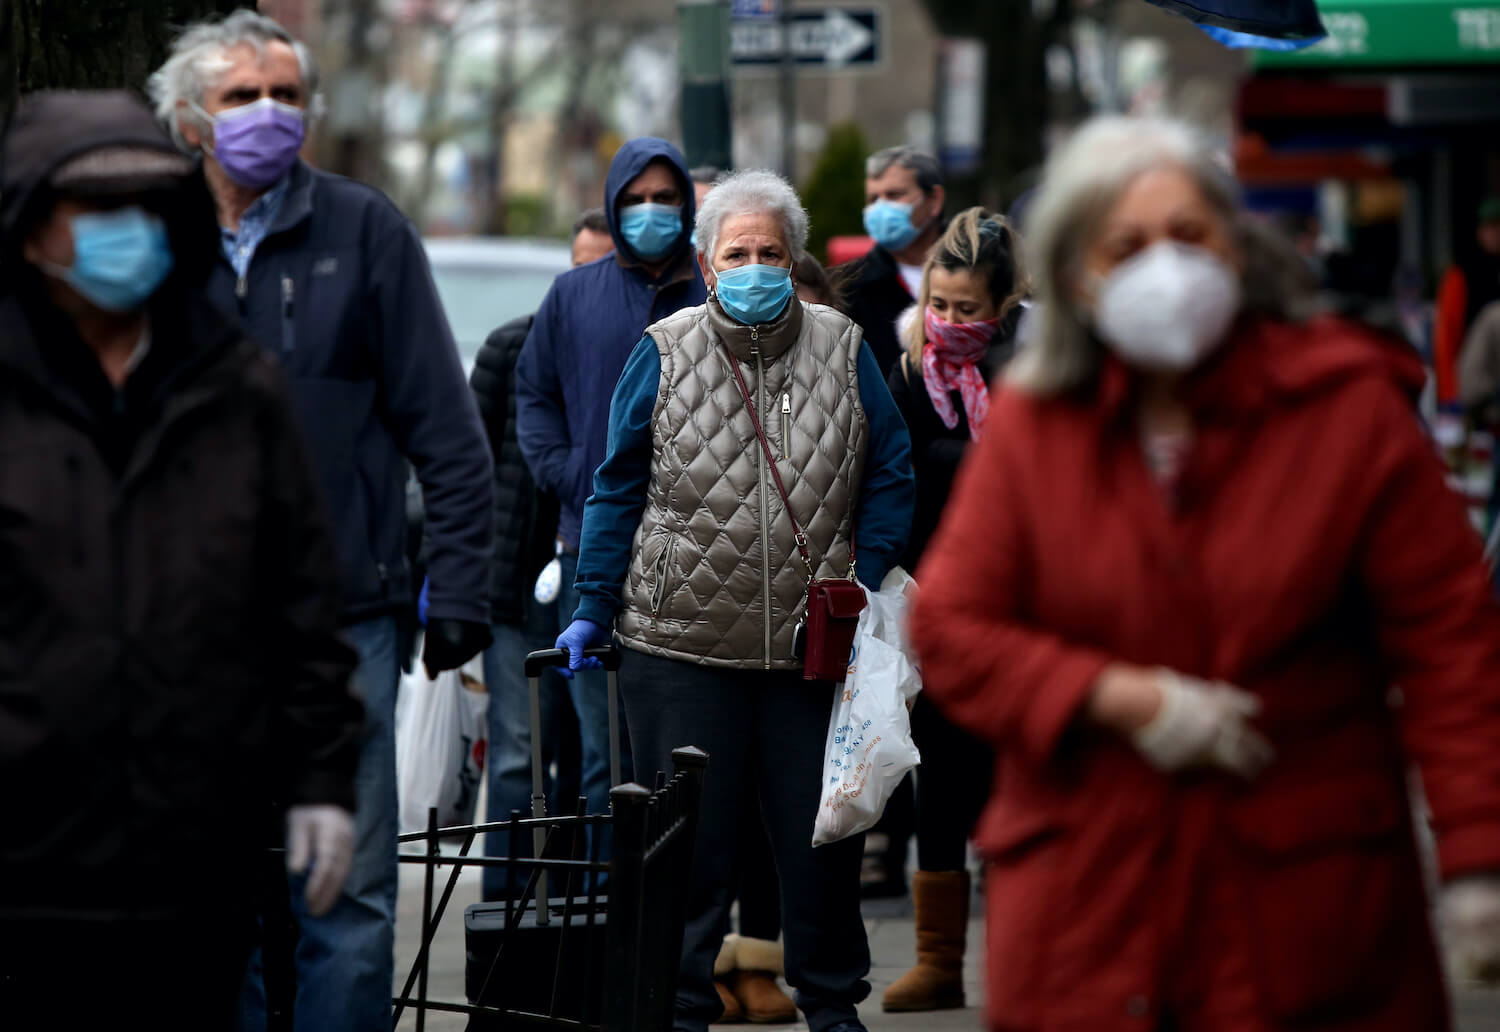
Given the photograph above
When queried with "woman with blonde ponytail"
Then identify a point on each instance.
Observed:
(960, 333)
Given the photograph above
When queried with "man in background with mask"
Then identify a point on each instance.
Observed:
(589, 322)
(169, 643)
(904, 215)
(331, 278)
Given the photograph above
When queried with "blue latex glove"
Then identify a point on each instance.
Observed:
(580, 635)
(422, 603)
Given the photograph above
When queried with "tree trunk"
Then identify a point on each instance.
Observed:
(1016, 94)
(90, 44)
(99, 44)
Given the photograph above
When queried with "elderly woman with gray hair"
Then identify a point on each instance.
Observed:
(689, 554)
(1182, 575)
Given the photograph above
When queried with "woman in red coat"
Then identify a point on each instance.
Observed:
(1203, 587)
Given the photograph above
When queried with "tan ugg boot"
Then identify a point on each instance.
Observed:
(937, 982)
(757, 964)
(733, 1014)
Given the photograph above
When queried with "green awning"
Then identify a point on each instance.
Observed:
(1398, 33)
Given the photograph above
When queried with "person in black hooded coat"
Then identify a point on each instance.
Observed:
(170, 665)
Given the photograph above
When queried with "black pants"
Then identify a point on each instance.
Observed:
(759, 893)
(953, 783)
(176, 976)
(764, 734)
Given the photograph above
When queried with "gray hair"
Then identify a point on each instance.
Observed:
(921, 164)
(197, 60)
(1084, 180)
(592, 219)
(756, 192)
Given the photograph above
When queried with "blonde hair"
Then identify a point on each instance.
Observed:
(1084, 180)
(978, 242)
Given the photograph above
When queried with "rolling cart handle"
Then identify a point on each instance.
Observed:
(545, 659)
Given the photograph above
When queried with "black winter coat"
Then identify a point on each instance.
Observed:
(525, 515)
(937, 451)
(169, 650)
(875, 295)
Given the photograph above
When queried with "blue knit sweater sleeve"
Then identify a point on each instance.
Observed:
(888, 493)
(613, 512)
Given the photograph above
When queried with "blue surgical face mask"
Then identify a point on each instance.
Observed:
(651, 229)
(120, 257)
(754, 294)
(889, 223)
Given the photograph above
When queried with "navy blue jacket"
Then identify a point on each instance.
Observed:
(589, 322)
(341, 293)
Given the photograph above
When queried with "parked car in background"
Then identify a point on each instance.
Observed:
(483, 282)
(487, 281)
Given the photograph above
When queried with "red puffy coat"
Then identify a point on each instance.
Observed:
(1314, 557)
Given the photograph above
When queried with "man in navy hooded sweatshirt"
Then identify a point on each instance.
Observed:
(589, 322)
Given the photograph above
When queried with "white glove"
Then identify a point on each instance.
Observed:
(1203, 724)
(1471, 918)
(324, 836)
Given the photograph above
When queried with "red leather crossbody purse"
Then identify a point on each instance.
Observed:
(825, 638)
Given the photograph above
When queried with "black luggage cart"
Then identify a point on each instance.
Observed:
(576, 958)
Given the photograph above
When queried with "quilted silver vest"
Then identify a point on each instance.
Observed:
(715, 577)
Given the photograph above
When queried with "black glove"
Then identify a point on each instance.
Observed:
(452, 643)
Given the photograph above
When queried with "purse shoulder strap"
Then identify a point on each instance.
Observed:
(786, 503)
(739, 379)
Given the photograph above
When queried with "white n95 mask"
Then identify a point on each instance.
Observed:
(1167, 308)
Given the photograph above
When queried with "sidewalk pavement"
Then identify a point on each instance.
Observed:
(892, 947)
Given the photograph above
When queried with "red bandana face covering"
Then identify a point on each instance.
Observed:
(950, 363)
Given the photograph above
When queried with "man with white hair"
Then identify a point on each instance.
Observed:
(328, 274)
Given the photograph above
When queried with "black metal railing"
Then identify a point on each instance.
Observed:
(602, 954)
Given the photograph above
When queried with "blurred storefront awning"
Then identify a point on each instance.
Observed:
(1398, 34)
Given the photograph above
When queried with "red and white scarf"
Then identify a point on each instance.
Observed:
(950, 362)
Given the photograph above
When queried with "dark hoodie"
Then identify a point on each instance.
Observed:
(50, 129)
(587, 326)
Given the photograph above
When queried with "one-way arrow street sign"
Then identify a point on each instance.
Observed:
(834, 37)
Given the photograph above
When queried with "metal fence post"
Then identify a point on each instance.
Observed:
(689, 766)
(629, 807)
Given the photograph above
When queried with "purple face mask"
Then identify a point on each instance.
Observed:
(257, 143)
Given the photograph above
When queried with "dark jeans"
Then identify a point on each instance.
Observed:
(953, 784)
(345, 959)
(509, 759)
(764, 734)
(589, 690)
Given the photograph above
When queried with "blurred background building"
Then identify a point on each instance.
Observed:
(500, 116)
(1372, 148)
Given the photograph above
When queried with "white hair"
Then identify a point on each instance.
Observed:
(1083, 181)
(754, 192)
(199, 58)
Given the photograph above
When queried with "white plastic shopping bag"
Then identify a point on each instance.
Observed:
(869, 748)
(441, 737)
